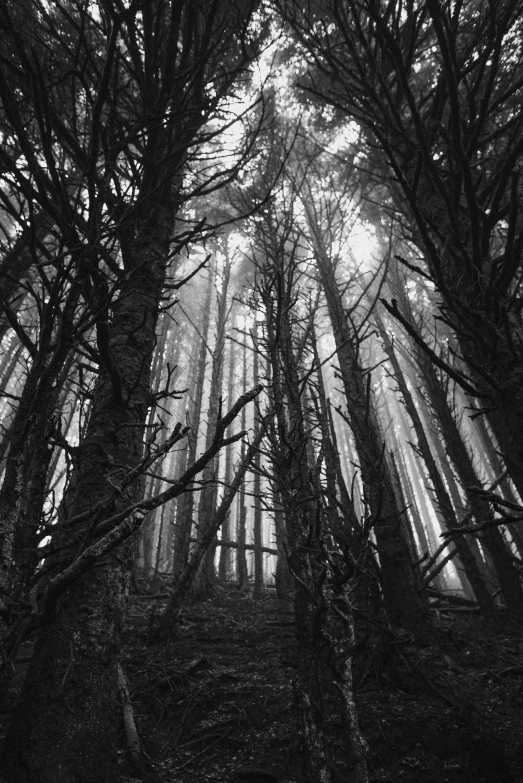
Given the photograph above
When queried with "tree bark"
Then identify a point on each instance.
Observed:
(65, 729)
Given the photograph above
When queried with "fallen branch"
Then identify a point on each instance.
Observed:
(236, 545)
(133, 740)
(450, 597)
(515, 670)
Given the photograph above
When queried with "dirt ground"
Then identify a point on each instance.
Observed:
(218, 699)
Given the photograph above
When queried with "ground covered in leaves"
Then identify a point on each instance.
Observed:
(219, 697)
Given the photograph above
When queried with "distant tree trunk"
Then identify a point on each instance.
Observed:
(184, 504)
(347, 525)
(184, 583)
(443, 500)
(258, 587)
(501, 474)
(482, 556)
(224, 566)
(416, 505)
(149, 533)
(67, 407)
(402, 602)
(207, 575)
(467, 216)
(402, 498)
(10, 362)
(177, 467)
(16, 265)
(241, 534)
(491, 538)
(283, 577)
(30, 451)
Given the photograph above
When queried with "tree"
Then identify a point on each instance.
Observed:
(152, 76)
(437, 90)
(400, 595)
(442, 496)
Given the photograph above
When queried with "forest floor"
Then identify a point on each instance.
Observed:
(219, 697)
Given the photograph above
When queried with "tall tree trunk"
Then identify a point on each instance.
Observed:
(403, 604)
(241, 517)
(432, 147)
(23, 489)
(151, 536)
(443, 500)
(11, 360)
(208, 495)
(501, 475)
(283, 577)
(302, 506)
(345, 527)
(291, 472)
(16, 264)
(224, 566)
(184, 504)
(491, 538)
(258, 587)
(66, 727)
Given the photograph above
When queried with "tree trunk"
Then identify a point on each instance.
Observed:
(433, 146)
(8, 418)
(207, 575)
(402, 601)
(66, 728)
(283, 577)
(258, 587)
(184, 504)
(224, 566)
(491, 538)
(23, 489)
(472, 570)
(17, 262)
(241, 517)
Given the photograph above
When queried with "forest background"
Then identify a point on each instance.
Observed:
(261, 323)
